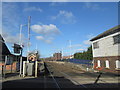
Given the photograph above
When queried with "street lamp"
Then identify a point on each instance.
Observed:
(20, 43)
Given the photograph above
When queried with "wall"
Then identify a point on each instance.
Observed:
(8, 67)
(106, 47)
(112, 64)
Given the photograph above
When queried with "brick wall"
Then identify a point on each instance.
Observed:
(8, 67)
(112, 64)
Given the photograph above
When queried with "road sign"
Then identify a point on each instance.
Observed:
(32, 57)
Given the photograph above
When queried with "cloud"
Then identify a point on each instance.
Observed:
(57, 3)
(11, 39)
(76, 45)
(64, 17)
(80, 50)
(10, 16)
(92, 6)
(28, 9)
(88, 42)
(45, 29)
(47, 40)
(47, 32)
(40, 37)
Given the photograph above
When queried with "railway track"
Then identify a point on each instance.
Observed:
(65, 75)
(76, 82)
(53, 78)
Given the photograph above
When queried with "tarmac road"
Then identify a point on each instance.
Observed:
(59, 76)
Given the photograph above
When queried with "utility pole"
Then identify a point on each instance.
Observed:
(20, 43)
(29, 18)
(70, 48)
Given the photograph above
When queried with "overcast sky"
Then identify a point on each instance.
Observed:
(54, 24)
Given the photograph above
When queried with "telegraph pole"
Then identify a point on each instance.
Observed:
(29, 18)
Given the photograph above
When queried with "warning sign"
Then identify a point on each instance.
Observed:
(32, 57)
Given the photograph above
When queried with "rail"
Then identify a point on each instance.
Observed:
(57, 85)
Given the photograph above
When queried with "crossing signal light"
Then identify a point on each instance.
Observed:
(17, 48)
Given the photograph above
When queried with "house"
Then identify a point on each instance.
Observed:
(6, 58)
(106, 50)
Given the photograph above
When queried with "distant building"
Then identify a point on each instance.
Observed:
(48, 59)
(57, 56)
(106, 50)
(68, 57)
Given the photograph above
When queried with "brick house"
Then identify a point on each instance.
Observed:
(6, 56)
(106, 50)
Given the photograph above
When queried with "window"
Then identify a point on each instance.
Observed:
(117, 64)
(98, 63)
(116, 39)
(95, 45)
(107, 64)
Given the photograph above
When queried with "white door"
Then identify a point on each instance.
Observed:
(107, 64)
(117, 64)
(98, 63)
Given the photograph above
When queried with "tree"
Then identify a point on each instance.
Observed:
(85, 55)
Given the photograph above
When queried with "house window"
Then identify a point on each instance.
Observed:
(117, 64)
(116, 39)
(98, 63)
(107, 64)
(95, 45)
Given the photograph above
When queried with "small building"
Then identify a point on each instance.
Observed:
(106, 50)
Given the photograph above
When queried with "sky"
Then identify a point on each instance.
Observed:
(57, 26)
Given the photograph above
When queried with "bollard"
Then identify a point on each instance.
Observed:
(36, 65)
(87, 69)
(24, 68)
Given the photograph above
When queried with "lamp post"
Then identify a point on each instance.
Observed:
(20, 43)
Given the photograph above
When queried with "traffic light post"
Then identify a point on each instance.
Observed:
(18, 49)
(21, 62)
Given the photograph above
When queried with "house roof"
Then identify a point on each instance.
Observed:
(106, 33)
(1, 38)
(3, 48)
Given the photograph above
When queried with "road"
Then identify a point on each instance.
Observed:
(59, 76)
